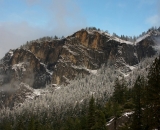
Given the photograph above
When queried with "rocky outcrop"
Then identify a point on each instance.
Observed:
(61, 60)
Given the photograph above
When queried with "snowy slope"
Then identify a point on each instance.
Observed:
(109, 36)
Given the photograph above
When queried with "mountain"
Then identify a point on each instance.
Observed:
(58, 76)
(52, 62)
(60, 60)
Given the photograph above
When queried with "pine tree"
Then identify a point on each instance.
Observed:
(32, 123)
(7, 125)
(100, 121)
(108, 110)
(119, 91)
(55, 37)
(84, 123)
(116, 113)
(153, 95)
(91, 114)
(137, 99)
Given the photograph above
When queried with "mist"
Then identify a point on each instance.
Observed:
(64, 18)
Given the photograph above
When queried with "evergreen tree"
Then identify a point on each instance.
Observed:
(108, 110)
(55, 37)
(84, 122)
(119, 91)
(100, 121)
(137, 99)
(153, 95)
(91, 114)
(32, 123)
(115, 113)
(7, 125)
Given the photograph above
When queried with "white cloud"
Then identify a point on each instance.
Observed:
(15, 34)
(63, 17)
(154, 20)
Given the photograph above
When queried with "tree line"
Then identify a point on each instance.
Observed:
(124, 37)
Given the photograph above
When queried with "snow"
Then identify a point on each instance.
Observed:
(56, 88)
(128, 72)
(92, 93)
(125, 114)
(54, 84)
(141, 38)
(93, 71)
(81, 100)
(119, 51)
(45, 66)
(154, 33)
(30, 95)
(157, 43)
(20, 66)
(157, 48)
(109, 122)
(37, 92)
(90, 32)
(122, 41)
(89, 70)
(135, 54)
(131, 67)
(128, 113)
(34, 55)
(11, 53)
(111, 37)
(73, 53)
(100, 32)
(51, 73)
(125, 75)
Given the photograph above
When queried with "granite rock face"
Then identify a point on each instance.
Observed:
(61, 60)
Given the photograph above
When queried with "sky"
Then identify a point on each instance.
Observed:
(26, 20)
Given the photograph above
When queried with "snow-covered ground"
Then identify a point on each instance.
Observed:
(141, 38)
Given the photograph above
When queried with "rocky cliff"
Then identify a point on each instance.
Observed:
(58, 61)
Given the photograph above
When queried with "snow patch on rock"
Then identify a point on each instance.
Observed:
(21, 66)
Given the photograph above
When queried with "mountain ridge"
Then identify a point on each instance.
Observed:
(78, 53)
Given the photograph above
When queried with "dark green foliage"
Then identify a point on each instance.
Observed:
(153, 95)
(6, 125)
(99, 121)
(108, 110)
(137, 100)
(115, 113)
(91, 114)
(96, 118)
(119, 91)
